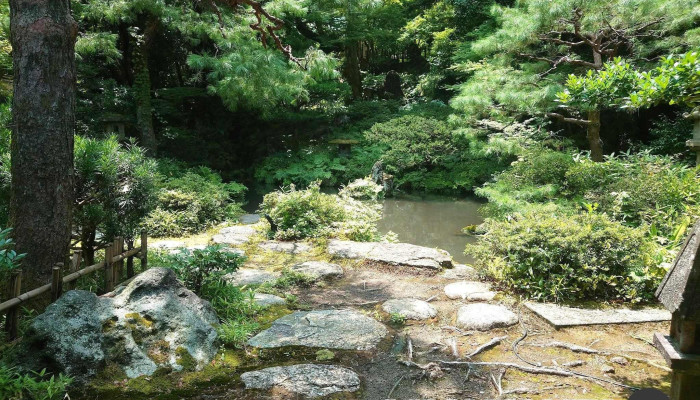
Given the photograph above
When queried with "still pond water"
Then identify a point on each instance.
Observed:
(432, 222)
(425, 221)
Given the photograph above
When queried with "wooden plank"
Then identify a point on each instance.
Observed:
(681, 362)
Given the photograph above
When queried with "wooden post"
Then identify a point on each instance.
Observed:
(130, 260)
(109, 273)
(12, 316)
(121, 262)
(116, 271)
(56, 282)
(75, 262)
(144, 250)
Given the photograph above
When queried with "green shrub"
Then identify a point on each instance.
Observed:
(550, 255)
(15, 384)
(668, 136)
(115, 189)
(200, 268)
(192, 200)
(362, 189)
(309, 213)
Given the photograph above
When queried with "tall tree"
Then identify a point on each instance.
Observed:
(43, 35)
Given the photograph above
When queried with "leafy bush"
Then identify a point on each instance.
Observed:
(362, 189)
(198, 269)
(309, 213)
(115, 189)
(550, 255)
(668, 137)
(191, 200)
(9, 259)
(35, 385)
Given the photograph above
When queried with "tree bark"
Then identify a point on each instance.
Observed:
(351, 69)
(593, 136)
(142, 95)
(43, 36)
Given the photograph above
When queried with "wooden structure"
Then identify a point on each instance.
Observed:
(112, 268)
(344, 145)
(680, 293)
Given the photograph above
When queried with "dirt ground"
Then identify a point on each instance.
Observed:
(617, 358)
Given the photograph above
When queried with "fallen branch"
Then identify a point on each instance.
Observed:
(498, 382)
(491, 343)
(568, 346)
(455, 329)
(388, 396)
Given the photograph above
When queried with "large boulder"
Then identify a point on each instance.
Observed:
(152, 322)
(308, 380)
(404, 254)
(331, 329)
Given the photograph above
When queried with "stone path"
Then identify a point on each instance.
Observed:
(309, 380)
(285, 247)
(247, 276)
(234, 235)
(333, 329)
(392, 253)
(410, 308)
(485, 317)
(561, 317)
(473, 291)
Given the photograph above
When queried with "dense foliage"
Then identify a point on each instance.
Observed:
(310, 213)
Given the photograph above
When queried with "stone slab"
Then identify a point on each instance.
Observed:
(469, 290)
(285, 247)
(560, 316)
(308, 380)
(331, 329)
(234, 235)
(249, 276)
(319, 269)
(404, 254)
(410, 308)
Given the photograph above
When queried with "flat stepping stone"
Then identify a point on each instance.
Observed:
(238, 252)
(468, 290)
(167, 245)
(484, 317)
(392, 253)
(285, 247)
(308, 380)
(249, 276)
(249, 219)
(410, 308)
(568, 316)
(319, 269)
(460, 272)
(234, 235)
(331, 329)
(267, 300)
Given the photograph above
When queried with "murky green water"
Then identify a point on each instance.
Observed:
(432, 222)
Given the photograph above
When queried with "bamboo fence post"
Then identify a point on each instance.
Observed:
(130, 260)
(12, 316)
(117, 251)
(144, 250)
(75, 262)
(109, 266)
(56, 281)
(121, 262)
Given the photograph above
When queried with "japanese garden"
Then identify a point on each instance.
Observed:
(357, 199)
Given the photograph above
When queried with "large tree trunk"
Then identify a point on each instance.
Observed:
(351, 69)
(43, 36)
(593, 136)
(142, 94)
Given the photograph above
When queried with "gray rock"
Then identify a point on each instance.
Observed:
(466, 290)
(392, 253)
(459, 272)
(167, 245)
(332, 329)
(249, 276)
(484, 317)
(410, 308)
(560, 316)
(249, 219)
(319, 269)
(153, 321)
(285, 247)
(619, 360)
(308, 380)
(607, 369)
(268, 300)
(234, 235)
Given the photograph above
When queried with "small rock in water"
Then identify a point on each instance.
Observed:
(466, 290)
(267, 300)
(285, 247)
(331, 329)
(309, 380)
(249, 276)
(484, 317)
(460, 271)
(319, 269)
(234, 235)
(410, 308)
